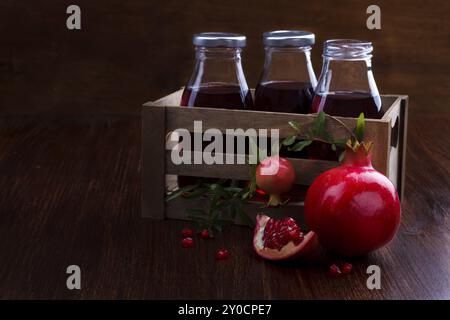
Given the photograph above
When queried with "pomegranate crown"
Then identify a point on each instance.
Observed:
(359, 146)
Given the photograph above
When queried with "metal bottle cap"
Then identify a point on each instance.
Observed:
(219, 39)
(288, 38)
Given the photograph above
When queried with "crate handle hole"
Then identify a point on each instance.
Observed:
(395, 133)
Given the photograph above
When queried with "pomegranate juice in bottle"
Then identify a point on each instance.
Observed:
(217, 96)
(348, 104)
(284, 96)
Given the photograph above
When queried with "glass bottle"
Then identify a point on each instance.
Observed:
(218, 80)
(287, 81)
(346, 85)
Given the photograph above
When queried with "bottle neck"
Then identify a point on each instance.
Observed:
(288, 64)
(204, 53)
(347, 68)
(218, 66)
(347, 75)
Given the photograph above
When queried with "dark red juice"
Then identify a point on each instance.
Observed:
(343, 104)
(348, 104)
(217, 96)
(284, 96)
(214, 96)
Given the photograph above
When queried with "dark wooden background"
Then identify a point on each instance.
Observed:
(129, 52)
(70, 149)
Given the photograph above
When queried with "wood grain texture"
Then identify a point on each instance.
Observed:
(71, 195)
(310, 169)
(153, 173)
(129, 52)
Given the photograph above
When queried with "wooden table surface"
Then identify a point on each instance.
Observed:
(70, 194)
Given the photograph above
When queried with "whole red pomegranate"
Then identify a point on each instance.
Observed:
(353, 208)
(275, 175)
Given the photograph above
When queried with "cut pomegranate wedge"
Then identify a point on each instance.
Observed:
(282, 239)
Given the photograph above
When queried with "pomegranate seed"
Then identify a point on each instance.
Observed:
(346, 268)
(222, 254)
(205, 234)
(334, 271)
(186, 232)
(278, 233)
(187, 242)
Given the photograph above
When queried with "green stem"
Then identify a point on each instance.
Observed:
(342, 124)
(274, 200)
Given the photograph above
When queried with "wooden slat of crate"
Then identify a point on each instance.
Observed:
(376, 130)
(309, 169)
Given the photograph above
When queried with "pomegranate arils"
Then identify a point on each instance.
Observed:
(278, 233)
(334, 271)
(205, 234)
(187, 242)
(296, 236)
(291, 243)
(186, 232)
(346, 268)
(222, 254)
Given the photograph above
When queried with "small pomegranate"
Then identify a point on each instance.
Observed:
(186, 232)
(334, 271)
(205, 234)
(222, 254)
(281, 239)
(187, 242)
(275, 175)
(353, 208)
(346, 268)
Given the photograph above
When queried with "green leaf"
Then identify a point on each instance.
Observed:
(360, 126)
(233, 189)
(219, 191)
(319, 124)
(294, 125)
(289, 140)
(217, 205)
(299, 146)
(180, 191)
(222, 181)
(327, 136)
(244, 217)
(249, 191)
(217, 227)
(197, 193)
(333, 147)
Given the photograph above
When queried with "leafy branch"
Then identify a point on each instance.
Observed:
(317, 132)
(224, 203)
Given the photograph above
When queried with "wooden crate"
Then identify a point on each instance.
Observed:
(164, 115)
